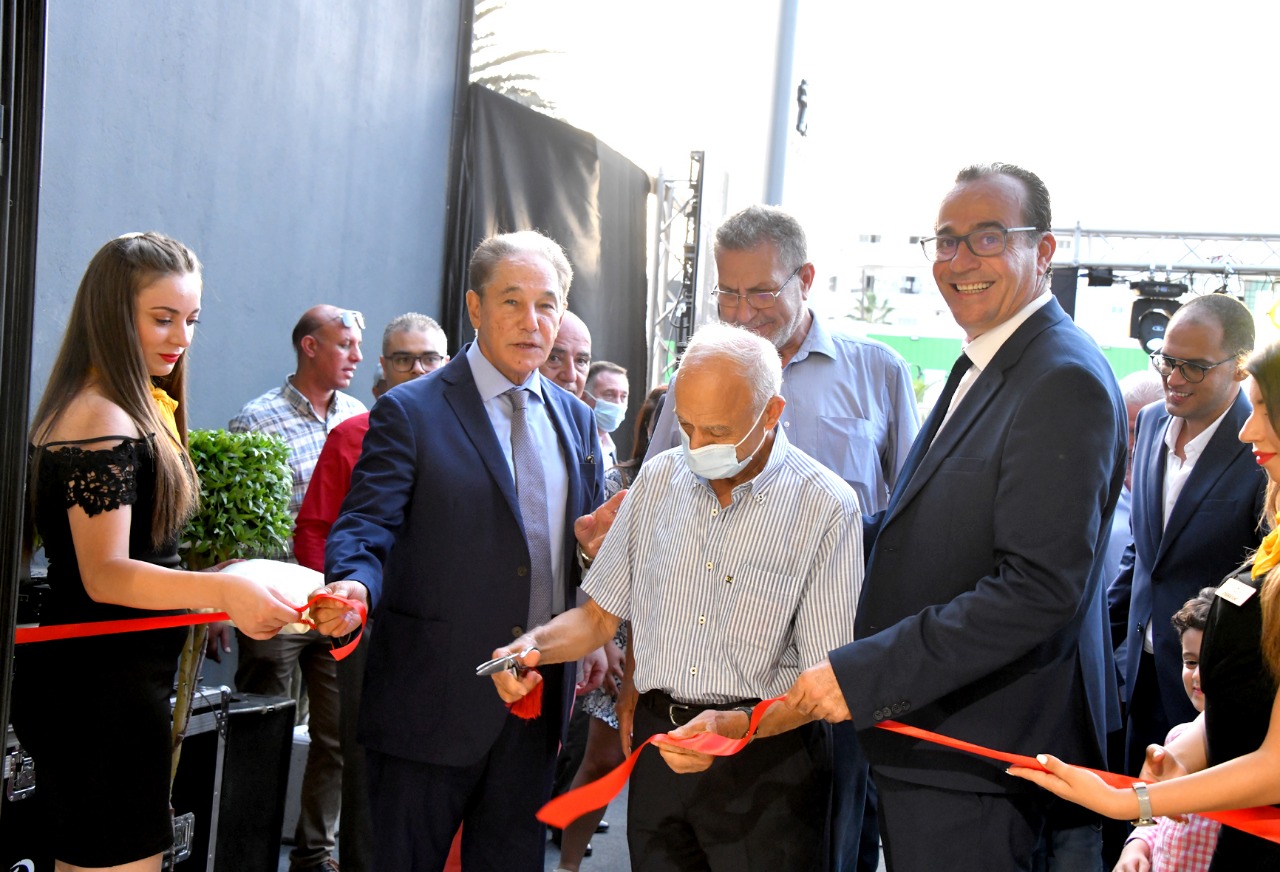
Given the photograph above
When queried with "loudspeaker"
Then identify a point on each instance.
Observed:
(236, 791)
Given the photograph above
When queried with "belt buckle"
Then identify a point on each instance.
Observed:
(671, 713)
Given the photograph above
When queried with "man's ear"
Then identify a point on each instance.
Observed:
(773, 411)
(308, 345)
(1045, 248)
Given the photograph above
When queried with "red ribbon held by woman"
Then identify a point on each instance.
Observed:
(1263, 822)
(55, 632)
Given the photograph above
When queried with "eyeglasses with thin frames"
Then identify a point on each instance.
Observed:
(755, 299)
(986, 242)
(403, 361)
(1193, 373)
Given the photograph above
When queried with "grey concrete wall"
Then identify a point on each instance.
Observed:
(300, 147)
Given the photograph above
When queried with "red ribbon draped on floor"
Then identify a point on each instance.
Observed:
(568, 807)
(27, 635)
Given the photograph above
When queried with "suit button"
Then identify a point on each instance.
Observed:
(522, 571)
(896, 708)
(906, 706)
(517, 631)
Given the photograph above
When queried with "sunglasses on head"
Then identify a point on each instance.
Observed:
(350, 318)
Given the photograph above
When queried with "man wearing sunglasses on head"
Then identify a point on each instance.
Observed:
(1197, 497)
(302, 412)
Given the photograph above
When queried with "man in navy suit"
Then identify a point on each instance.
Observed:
(983, 614)
(1197, 498)
(432, 536)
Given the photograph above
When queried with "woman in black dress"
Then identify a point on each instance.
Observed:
(111, 486)
(1233, 749)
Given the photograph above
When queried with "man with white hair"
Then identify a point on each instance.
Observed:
(738, 562)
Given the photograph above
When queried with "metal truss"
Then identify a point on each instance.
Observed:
(673, 281)
(1225, 255)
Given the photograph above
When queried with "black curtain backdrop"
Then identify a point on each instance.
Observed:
(523, 170)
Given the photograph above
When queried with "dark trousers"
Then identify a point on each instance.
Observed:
(764, 809)
(266, 667)
(355, 841)
(927, 828)
(855, 836)
(1146, 723)
(418, 807)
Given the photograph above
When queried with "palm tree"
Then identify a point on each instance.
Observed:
(496, 73)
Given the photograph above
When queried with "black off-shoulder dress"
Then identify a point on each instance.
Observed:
(94, 713)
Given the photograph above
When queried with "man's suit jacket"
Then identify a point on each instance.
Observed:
(1211, 528)
(983, 613)
(432, 528)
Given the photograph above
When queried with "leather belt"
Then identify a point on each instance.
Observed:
(680, 713)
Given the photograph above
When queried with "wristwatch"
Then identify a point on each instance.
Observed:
(1145, 818)
(583, 560)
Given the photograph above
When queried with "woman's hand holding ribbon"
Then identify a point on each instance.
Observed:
(1081, 786)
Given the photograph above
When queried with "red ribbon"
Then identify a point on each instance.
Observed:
(1263, 821)
(55, 632)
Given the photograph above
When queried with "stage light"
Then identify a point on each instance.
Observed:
(1149, 319)
(1163, 290)
(1100, 277)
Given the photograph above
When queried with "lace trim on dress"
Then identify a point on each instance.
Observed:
(96, 480)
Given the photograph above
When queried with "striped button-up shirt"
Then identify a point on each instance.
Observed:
(285, 413)
(732, 602)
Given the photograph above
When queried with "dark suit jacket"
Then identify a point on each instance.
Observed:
(1212, 526)
(983, 612)
(432, 528)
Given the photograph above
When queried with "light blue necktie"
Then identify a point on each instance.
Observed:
(531, 490)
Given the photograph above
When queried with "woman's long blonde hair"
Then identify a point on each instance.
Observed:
(101, 344)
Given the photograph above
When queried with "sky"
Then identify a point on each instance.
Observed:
(1138, 115)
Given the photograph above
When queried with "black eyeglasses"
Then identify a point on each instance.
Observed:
(402, 361)
(350, 318)
(1194, 373)
(755, 299)
(987, 242)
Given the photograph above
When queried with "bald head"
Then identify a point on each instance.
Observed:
(570, 357)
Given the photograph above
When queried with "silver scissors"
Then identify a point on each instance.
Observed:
(508, 663)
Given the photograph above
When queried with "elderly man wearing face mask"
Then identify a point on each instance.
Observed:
(738, 560)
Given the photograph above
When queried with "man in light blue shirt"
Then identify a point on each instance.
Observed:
(850, 405)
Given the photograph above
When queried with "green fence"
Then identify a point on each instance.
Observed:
(932, 352)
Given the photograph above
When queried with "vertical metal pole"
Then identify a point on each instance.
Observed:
(780, 125)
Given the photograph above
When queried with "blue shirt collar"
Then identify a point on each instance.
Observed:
(491, 383)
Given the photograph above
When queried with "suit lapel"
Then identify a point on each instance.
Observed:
(464, 398)
(971, 407)
(571, 449)
(1153, 479)
(1223, 448)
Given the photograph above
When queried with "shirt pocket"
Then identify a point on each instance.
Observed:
(847, 446)
(764, 603)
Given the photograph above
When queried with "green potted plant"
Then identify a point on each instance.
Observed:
(245, 485)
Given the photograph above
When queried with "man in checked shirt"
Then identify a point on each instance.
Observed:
(738, 560)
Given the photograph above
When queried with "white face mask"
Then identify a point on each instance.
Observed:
(718, 460)
(608, 415)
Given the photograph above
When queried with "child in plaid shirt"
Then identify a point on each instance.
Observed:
(1178, 845)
